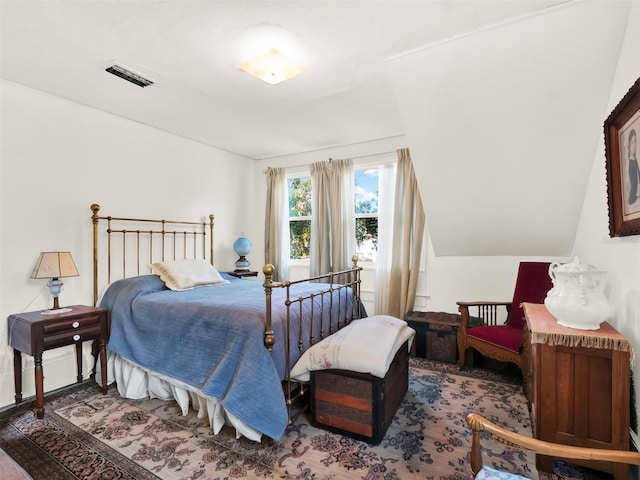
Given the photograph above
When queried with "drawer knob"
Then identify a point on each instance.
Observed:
(76, 337)
(75, 324)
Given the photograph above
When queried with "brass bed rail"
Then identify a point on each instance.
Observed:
(190, 236)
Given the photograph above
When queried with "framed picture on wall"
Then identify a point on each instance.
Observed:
(621, 131)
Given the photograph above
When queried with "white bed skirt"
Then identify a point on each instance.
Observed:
(136, 382)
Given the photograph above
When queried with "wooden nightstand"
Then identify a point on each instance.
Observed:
(243, 273)
(33, 333)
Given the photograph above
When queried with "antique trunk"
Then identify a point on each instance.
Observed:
(359, 405)
(436, 335)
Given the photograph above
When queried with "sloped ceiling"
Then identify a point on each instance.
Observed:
(504, 125)
(502, 101)
(192, 49)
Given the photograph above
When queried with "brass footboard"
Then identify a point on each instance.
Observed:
(349, 284)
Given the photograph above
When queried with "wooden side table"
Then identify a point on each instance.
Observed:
(34, 332)
(243, 273)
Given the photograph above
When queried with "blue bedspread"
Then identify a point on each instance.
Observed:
(211, 338)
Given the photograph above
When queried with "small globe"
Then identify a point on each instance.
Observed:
(242, 246)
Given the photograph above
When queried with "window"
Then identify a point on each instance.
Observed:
(300, 216)
(366, 213)
(366, 192)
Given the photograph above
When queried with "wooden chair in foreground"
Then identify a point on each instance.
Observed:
(503, 342)
(479, 424)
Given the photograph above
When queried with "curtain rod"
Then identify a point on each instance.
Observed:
(330, 159)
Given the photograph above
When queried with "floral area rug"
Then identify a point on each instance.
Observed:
(87, 435)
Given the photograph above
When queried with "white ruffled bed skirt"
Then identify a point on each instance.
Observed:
(136, 382)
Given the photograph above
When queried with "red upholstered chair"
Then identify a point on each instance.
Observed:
(503, 342)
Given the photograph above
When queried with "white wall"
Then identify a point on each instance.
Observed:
(58, 158)
(620, 257)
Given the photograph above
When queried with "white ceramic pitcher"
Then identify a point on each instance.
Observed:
(577, 299)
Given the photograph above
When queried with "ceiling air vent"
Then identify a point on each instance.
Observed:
(129, 76)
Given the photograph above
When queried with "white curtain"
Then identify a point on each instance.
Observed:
(276, 226)
(319, 245)
(342, 210)
(386, 199)
(332, 223)
(398, 284)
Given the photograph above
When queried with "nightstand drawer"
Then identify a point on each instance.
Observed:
(70, 336)
(71, 325)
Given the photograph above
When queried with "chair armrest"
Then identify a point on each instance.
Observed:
(478, 424)
(480, 304)
(487, 311)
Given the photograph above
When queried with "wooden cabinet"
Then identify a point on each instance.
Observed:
(577, 384)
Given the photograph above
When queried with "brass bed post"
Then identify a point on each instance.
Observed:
(331, 305)
(269, 339)
(162, 232)
(211, 217)
(95, 208)
(356, 287)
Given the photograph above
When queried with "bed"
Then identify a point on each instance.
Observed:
(224, 346)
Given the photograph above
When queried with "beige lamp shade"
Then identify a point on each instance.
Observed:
(55, 265)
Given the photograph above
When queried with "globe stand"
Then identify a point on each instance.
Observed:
(242, 264)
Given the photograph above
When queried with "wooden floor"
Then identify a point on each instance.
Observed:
(10, 470)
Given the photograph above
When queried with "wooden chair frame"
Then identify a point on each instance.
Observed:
(504, 341)
(480, 424)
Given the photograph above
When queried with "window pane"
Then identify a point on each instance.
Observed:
(300, 234)
(366, 190)
(299, 197)
(367, 238)
(366, 211)
(299, 206)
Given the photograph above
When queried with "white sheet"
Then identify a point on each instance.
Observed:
(135, 382)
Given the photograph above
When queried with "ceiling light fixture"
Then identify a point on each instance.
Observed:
(129, 76)
(272, 67)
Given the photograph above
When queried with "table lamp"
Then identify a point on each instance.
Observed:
(55, 265)
(242, 246)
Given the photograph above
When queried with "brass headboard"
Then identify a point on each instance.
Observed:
(135, 239)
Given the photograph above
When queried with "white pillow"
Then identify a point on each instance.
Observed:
(186, 274)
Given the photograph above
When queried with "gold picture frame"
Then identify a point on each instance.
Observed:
(621, 129)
